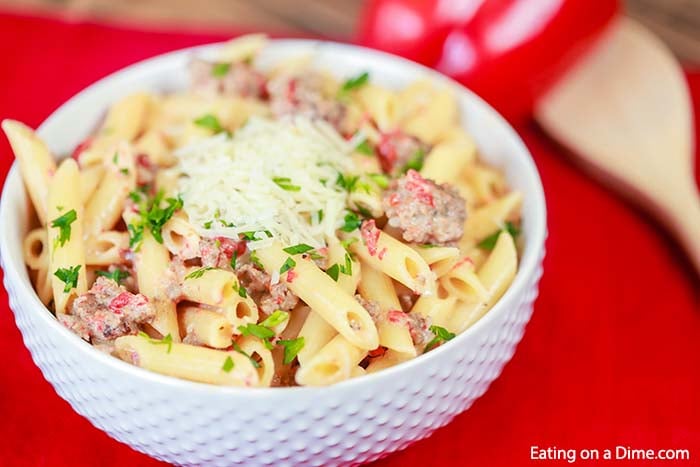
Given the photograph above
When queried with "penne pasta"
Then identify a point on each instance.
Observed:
(35, 163)
(316, 333)
(67, 251)
(496, 274)
(106, 248)
(331, 364)
(395, 259)
(204, 327)
(151, 262)
(325, 297)
(188, 361)
(257, 351)
(105, 207)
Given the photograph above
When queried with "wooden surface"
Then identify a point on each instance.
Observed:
(641, 148)
(675, 21)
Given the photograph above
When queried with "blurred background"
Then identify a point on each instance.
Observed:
(676, 21)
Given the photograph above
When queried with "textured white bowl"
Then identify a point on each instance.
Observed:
(349, 423)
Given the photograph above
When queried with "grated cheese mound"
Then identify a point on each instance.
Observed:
(228, 183)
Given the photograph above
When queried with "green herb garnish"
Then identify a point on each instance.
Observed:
(489, 242)
(352, 222)
(333, 271)
(240, 290)
(381, 180)
(256, 330)
(135, 235)
(228, 364)
(219, 70)
(298, 249)
(288, 264)
(286, 183)
(197, 273)
(354, 83)
(415, 162)
(63, 223)
(441, 335)
(347, 267)
(347, 242)
(153, 216)
(277, 317)
(167, 340)
(347, 182)
(69, 276)
(256, 261)
(291, 348)
(238, 349)
(210, 122)
(365, 148)
(118, 275)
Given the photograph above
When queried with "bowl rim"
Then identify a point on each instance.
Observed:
(527, 268)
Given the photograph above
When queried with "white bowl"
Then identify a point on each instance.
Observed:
(349, 423)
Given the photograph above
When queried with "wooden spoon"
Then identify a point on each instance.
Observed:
(625, 112)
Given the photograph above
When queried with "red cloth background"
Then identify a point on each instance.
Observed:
(611, 356)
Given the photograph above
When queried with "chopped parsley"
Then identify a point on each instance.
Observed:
(286, 183)
(363, 210)
(298, 249)
(347, 182)
(124, 171)
(381, 180)
(118, 275)
(251, 235)
(228, 364)
(320, 216)
(207, 224)
(219, 70)
(347, 242)
(234, 257)
(69, 276)
(135, 196)
(197, 273)
(153, 216)
(442, 335)
(63, 223)
(347, 267)
(256, 261)
(354, 83)
(415, 162)
(428, 245)
(333, 271)
(365, 148)
(240, 290)
(257, 330)
(276, 318)
(288, 264)
(489, 242)
(291, 348)
(238, 349)
(135, 235)
(352, 222)
(210, 122)
(167, 340)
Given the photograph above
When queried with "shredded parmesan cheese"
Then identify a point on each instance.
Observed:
(275, 178)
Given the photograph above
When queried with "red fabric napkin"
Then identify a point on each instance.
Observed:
(611, 356)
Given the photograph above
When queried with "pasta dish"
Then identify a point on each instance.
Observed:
(269, 226)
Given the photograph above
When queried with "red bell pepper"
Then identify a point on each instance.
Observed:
(507, 51)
